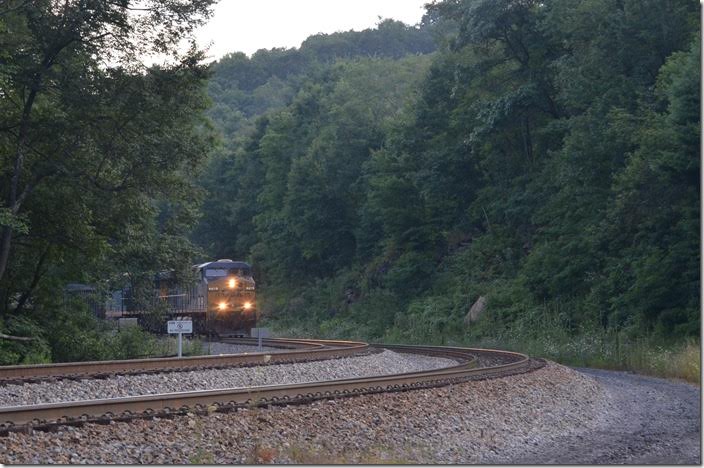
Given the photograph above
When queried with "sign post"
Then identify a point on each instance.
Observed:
(260, 333)
(179, 327)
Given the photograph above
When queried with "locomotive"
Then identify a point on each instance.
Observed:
(229, 290)
(220, 301)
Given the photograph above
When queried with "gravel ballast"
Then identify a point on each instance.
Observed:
(552, 415)
(464, 423)
(648, 421)
(386, 362)
(217, 347)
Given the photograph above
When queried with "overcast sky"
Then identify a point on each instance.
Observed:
(249, 25)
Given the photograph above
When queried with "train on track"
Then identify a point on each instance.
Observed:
(220, 300)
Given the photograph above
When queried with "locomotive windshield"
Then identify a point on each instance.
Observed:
(215, 272)
(220, 272)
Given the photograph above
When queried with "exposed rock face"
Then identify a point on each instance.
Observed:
(476, 310)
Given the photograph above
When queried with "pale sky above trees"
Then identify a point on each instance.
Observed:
(250, 25)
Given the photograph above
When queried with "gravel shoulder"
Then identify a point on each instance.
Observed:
(645, 420)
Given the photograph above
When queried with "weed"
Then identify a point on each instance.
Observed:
(201, 457)
(309, 455)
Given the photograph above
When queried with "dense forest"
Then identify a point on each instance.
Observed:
(544, 158)
(514, 173)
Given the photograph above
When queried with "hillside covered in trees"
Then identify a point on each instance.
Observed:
(544, 157)
(538, 160)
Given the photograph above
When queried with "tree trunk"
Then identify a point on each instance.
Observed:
(38, 273)
(5, 240)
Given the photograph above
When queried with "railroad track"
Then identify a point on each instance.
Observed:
(300, 351)
(43, 416)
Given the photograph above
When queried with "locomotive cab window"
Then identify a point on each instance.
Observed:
(215, 273)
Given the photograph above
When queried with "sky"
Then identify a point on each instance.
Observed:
(249, 25)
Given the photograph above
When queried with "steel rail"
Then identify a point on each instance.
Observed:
(303, 350)
(222, 400)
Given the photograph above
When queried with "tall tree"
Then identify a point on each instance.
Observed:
(90, 134)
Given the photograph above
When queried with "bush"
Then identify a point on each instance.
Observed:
(77, 335)
(36, 351)
(133, 342)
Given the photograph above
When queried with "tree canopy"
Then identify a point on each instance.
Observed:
(540, 155)
(97, 146)
(546, 154)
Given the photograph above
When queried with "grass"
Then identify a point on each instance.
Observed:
(686, 364)
(644, 356)
(189, 346)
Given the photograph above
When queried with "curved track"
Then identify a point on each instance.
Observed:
(223, 400)
(300, 350)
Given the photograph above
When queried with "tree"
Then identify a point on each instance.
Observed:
(91, 137)
(547, 159)
(651, 232)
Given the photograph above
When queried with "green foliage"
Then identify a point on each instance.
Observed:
(98, 150)
(547, 160)
(244, 89)
(36, 351)
(14, 222)
(71, 333)
(291, 194)
(542, 155)
(79, 336)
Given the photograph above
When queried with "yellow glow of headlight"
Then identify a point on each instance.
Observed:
(222, 306)
(247, 305)
(232, 283)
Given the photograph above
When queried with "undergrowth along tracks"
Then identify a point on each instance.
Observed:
(47, 415)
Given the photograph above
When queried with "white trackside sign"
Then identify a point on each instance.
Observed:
(180, 326)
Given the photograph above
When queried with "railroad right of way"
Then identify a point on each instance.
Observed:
(465, 423)
(464, 367)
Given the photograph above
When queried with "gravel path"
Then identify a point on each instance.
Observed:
(646, 421)
(386, 362)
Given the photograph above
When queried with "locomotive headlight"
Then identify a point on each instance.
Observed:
(232, 283)
(247, 305)
(222, 306)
